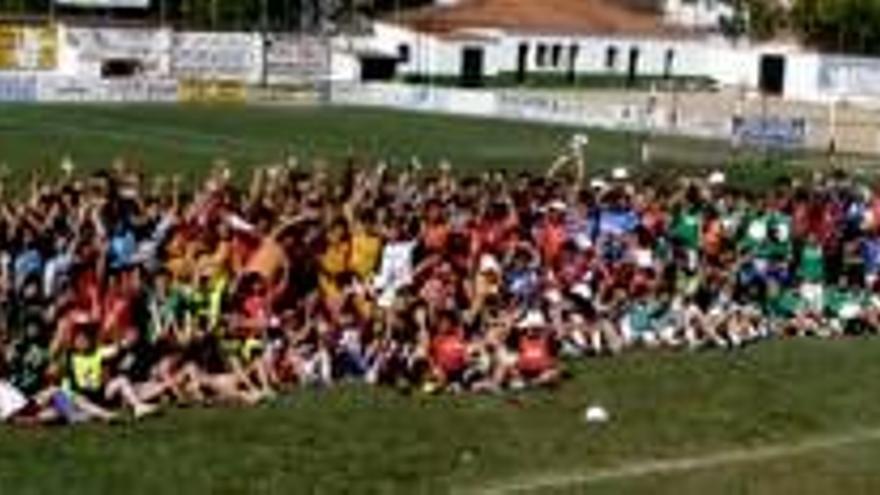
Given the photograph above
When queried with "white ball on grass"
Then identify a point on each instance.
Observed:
(596, 415)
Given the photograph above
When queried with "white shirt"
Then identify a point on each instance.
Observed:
(395, 270)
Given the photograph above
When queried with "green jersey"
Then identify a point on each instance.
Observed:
(812, 264)
(687, 227)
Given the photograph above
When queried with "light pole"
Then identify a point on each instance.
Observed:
(265, 42)
(832, 124)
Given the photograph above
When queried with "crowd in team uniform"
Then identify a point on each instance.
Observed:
(123, 294)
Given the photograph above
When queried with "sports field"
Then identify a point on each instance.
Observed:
(185, 140)
(783, 417)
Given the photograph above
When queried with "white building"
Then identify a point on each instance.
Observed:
(476, 40)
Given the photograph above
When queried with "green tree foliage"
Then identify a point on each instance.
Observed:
(757, 19)
(766, 18)
(850, 26)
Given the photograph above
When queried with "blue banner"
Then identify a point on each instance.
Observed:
(770, 132)
(18, 89)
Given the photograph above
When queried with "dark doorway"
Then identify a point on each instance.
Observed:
(772, 76)
(120, 68)
(472, 67)
(669, 64)
(522, 63)
(378, 68)
(573, 52)
(633, 70)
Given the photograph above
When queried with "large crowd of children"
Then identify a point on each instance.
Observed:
(122, 294)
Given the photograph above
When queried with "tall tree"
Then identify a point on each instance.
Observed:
(847, 26)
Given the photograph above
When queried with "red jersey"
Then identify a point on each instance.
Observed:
(435, 237)
(117, 317)
(550, 238)
(450, 352)
(534, 354)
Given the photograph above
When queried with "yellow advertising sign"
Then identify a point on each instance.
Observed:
(210, 91)
(28, 47)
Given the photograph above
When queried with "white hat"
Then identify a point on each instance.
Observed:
(717, 178)
(598, 184)
(582, 290)
(557, 205)
(532, 319)
(488, 264)
(583, 241)
(644, 258)
(620, 173)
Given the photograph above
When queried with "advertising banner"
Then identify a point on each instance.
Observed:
(205, 91)
(105, 4)
(297, 60)
(28, 48)
(215, 55)
(849, 76)
(18, 88)
(770, 132)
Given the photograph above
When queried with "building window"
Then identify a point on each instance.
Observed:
(403, 53)
(541, 55)
(611, 58)
(669, 63)
(556, 55)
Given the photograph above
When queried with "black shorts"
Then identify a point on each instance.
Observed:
(97, 397)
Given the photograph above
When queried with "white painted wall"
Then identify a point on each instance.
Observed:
(430, 54)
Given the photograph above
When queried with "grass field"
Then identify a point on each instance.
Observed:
(782, 417)
(176, 139)
(185, 139)
(360, 440)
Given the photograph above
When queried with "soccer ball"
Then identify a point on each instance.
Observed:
(596, 414)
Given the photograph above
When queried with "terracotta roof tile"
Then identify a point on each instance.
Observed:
(544, 16)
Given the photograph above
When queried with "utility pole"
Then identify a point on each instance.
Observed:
(266, 43)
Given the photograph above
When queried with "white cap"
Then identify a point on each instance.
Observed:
(488, 264)
(717, 178)
(644, 258)
(533, 319)
(599, 184)
(582, 290)
(557, 205)
(580, 139)
(620, 173)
